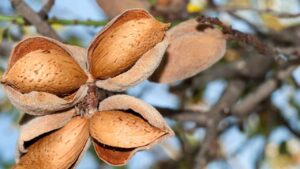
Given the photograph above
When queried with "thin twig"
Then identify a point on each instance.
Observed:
(239, 36)
(46, 8)
(230, 96)
(185, 115)
(234, 34)
(20, 21)
(259, 11)
(42, 26)
(262, 92)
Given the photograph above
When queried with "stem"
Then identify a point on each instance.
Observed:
(14, 19)
(21, 21)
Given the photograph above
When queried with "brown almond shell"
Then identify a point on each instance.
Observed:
(29, 132)
(59, 149)
(190, 52)
(42, 103)
(32, 127)
(144, 66)
(139, 72)
(85, 149)
(119, 156)
(122, 129)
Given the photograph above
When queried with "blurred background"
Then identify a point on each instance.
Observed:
(264, 135)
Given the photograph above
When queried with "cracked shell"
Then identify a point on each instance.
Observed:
(44, 76)
(130, 125)
(59, 149)
(127, 50)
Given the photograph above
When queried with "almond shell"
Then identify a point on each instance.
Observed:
(143, 67)
(119, 156)
(122, 129)
(32, 127)
(42, 103)
(59, 149)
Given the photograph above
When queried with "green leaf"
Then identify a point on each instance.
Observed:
(2, 30)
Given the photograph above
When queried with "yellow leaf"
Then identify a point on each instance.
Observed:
(196, 6)
(57, 26)
(272, 22)
(1, 34)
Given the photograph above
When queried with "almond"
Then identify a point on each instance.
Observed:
(59, 149)
(47, 123)
(122, 129)
(121, 44)
(125, 125)
(46, 71)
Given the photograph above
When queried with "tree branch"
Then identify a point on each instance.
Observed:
(42, 26)
(230, 96)
(263, 91)
(185, 115)
(20, 21)
(46, 8)
(259, 11)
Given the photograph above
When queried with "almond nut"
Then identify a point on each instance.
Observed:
(46, 71)
(59, 149)
(122, 129)
(118, 48)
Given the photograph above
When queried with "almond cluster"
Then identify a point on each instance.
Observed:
(68, 93)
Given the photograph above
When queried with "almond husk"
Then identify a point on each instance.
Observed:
(121, 44)
(29, 131)
(109, 150)
(190, 52)
(59, 149)
(114, 8)
(41, 103)
(112, 155)
(183, 28)
(125, 102)
(32, 127)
